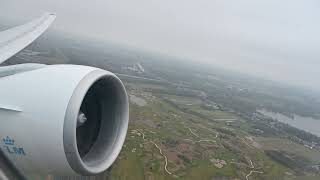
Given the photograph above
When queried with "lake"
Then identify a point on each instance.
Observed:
(305, 123)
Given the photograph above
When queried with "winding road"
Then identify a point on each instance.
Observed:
(251, 166)
(165, 158)
(201, 140)
(160, 151)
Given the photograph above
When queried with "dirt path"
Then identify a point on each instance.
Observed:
(143, 136)
(201, 140)
(251, 166)
(252, 171)
(210, 130)
(165, 158)
(160, 151)
(194, 133)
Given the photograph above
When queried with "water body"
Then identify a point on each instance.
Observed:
(305, 123)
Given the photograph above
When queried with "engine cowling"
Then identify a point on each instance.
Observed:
(63, 119)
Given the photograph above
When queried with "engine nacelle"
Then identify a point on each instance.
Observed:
(63, 119)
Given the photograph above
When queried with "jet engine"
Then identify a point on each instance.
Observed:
(62, 119)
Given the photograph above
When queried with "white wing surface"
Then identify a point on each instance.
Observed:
(15, 39)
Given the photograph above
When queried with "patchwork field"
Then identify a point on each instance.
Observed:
(177, 137)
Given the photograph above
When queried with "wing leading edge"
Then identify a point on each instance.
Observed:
(15, 39)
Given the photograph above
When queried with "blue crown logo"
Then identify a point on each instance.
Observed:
(8, 141)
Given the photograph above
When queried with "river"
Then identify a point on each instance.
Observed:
(305, 123)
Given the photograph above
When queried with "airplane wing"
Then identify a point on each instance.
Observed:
(58, 119)
(15, 39)
(11, 42)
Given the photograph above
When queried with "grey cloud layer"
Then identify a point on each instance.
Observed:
(278, 40)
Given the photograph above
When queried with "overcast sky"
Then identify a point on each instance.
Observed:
(274, 39)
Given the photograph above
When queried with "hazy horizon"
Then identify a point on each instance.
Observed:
(270, 39)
